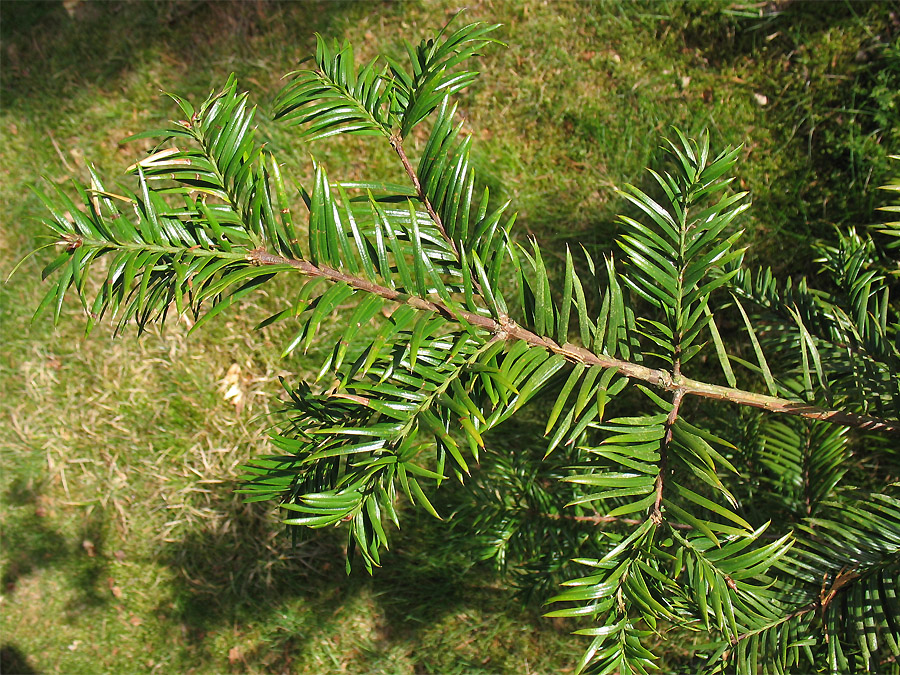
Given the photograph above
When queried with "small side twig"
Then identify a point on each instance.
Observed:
(397, 145)
(59, 152)
(656, 509)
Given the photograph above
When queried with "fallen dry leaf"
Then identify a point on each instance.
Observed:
(231, 383)
(71, 6)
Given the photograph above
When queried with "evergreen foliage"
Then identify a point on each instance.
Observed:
(698, 505)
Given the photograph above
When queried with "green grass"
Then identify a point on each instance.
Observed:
(124, 546)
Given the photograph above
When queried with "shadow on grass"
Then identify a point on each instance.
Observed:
(31, 544)
(50, 53)
(250, 569)
(245, 567)
(19, 18)
(14, 662)
(829, 88)
(729, 36)
(251, 576)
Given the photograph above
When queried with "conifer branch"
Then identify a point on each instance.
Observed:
(449, 358)
(663, 379)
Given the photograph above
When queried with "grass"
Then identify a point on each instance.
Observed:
(124, 546)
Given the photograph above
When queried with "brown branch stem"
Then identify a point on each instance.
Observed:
(662, 379)
(397, 145)
(656, 510)
(599, 519)
(799, 612)
(826, 596)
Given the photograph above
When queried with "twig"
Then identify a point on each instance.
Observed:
(799, 612)
(820, 605)
(60, 153)
(656, 510)
(598, 519)
(397, 145)
(662, 379)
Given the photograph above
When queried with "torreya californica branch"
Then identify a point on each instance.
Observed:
(684, 527)
(662, 379)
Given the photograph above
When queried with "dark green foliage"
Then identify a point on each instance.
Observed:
(891, 230)
(455, 326)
